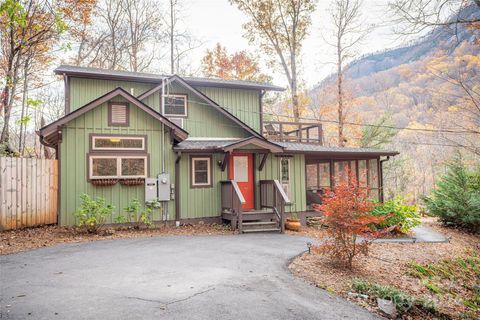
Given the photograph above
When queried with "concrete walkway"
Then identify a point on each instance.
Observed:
(419, 234)
(183, 277)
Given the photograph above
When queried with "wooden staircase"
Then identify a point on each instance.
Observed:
(269, 219)
(259, 221)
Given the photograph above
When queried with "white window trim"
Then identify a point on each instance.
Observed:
(181, 119)
(94, 148)
(174, 114)
(119, 166)
(209, 172)
(282, 182)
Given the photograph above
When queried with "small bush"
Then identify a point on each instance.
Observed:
(92, 213)
(398, 214)
(138, 217)
(403, 301)
(346, 210)
(456, 199)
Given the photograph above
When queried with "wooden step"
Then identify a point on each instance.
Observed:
(261, 230)
(259, 225)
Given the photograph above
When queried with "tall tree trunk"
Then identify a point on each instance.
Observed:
(341, 137)
(172, 30)
(22, 135)
(294, 85)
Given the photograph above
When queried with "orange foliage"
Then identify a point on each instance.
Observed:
(346, 210)
(238, 66)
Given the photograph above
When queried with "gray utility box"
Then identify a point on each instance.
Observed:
(151, 189)
(164, 187)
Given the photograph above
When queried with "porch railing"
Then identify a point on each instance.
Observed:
(272, 196)
(293, 131)
(232, 200)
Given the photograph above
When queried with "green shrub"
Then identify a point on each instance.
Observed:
(138, 217)
(398, 214)
(456, 199)
(403, 301)
(92, 213)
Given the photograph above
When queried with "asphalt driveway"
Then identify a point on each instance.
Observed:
(197, 277)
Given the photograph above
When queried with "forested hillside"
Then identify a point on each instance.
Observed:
(426, 92)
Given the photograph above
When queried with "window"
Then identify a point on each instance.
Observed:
(285, 175)
(175, 105)
(324, 175)
(312, 176)
(201, 171)
(108, 143)
(128, 166)
(118, 114)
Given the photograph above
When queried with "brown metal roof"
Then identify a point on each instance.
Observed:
(97, 73)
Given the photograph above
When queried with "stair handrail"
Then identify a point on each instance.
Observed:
(273, 196)
(232, 199)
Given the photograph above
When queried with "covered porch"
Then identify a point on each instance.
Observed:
(326, 166)
(244, 180)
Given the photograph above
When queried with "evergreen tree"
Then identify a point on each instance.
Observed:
(456, 199)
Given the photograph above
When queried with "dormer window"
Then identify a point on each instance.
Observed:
(175, 105)
(118, 114)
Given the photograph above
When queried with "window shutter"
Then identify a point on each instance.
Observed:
(119, 114)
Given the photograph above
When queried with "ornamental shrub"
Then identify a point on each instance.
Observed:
(92, 213)
(138, 217)
(456, 199)
(346, 209)
(398, 214)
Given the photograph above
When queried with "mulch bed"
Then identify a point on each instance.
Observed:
(388, 264)
(27, 239)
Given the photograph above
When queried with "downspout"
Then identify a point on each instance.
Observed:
(162, 104)
(381, 178)
(177, 189)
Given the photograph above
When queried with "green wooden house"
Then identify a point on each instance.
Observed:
(198, 145)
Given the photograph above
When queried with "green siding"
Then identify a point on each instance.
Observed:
(200, 202)
(205, 202)
(83, 90)
(244, 104)
(74, 149)
(202, 120)
(271, 171)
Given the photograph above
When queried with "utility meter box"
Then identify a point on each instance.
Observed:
(164, 187)
(150, 189)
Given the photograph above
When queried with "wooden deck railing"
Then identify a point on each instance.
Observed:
(293, 131)
(232, 200)
(273, 196)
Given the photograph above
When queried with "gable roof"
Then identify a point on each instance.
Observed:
(97, 73)
(205, 98)
(52, 128)
(225, 145)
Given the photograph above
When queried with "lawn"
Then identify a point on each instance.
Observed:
(446, 273)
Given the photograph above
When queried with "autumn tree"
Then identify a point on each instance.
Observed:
(346, 209)
(241, 65)
(348, 32)
(418, 16)
(25, 27)
(279, 28)
(378, 134)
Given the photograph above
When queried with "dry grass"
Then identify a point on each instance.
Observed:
(27, 239)
(388, 264)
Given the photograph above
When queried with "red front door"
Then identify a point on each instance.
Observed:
(241, 170)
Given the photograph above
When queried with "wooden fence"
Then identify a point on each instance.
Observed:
(28, 192)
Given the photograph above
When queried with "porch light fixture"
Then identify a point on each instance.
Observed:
(115, 140)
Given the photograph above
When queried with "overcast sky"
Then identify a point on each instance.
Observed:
(217, 21)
